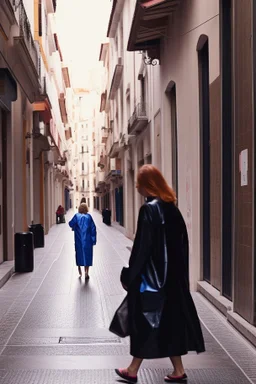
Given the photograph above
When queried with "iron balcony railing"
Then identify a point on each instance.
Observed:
(139, 112)
(25, 32)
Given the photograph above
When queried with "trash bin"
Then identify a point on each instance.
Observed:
(107, 216)
(38, 231)
(24, 252)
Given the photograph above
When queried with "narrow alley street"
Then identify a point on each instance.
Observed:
(54, 326)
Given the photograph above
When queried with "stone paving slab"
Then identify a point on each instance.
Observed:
(54, 325)
(154, 376)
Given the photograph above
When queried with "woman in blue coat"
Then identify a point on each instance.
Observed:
(85, 238)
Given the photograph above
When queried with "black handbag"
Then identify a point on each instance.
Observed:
(120, 322)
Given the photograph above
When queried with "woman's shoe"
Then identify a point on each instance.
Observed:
(87, 277)
(123, 373)
(176, 379)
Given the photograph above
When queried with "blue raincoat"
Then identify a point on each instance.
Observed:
(85, 238)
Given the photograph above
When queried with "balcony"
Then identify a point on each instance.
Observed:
(42, 103)
(139, 120)
(104, 136)
(116, 79)
(114, 170)
(7, 18)
(24, 60)
(84, 190)
(25, 38)
(100, 176)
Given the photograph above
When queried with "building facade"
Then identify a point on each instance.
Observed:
(180, 95)
(33, 82)
(84, 149)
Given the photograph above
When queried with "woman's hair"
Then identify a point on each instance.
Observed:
(83, 208)
(154, 184)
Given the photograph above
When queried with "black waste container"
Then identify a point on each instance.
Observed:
(24, 252)
(38, 231)
(107, 216)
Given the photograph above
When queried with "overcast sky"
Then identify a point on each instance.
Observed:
(82, 27)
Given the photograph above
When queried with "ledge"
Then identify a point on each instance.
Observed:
(246, 329)
(6, 271)
(213, 295)
(225, 306)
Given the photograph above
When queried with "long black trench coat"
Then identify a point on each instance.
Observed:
(179, 330)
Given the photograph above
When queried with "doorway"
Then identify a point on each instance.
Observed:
(3, 185)
(227, 143)
(204, 105)
(171, 93)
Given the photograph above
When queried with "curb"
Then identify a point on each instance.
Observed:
(225, 306)
(6, 271)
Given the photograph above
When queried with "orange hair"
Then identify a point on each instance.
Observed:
(154, 184)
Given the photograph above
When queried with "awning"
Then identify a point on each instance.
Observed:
(117, 9)
(150, 22)
(152, 3)
(68, 133)
(66, 78)
(116, 80)
(44, 109)
(63, 110)
(103, 101)
(103, 51)
(114, 150)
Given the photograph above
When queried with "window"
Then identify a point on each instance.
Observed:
(88, 184)
(83, 184)
(82, 149)
(40, 27)
(82, 166)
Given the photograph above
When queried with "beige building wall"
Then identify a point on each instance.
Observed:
(179, 63)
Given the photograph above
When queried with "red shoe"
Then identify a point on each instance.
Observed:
(176, 379)
(123, 373)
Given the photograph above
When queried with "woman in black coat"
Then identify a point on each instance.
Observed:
(178, 329)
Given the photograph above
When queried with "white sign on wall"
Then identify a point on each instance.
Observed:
(243, 165)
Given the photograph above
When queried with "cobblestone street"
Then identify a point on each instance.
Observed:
(54, 326)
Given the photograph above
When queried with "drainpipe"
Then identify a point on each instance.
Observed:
(134, 81)
(152, 133)
(31, 160)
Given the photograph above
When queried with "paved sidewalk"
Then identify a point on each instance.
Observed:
(54, 326)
